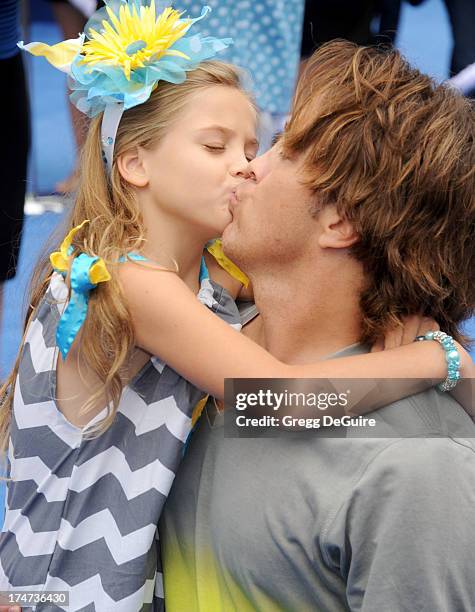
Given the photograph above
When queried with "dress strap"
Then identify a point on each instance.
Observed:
(133, 256)
(248, 312)
(204, 274)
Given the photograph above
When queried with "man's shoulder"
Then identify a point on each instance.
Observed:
(419, 462)
(419, 457)
(413, 474)
(425, 414)
(430, 413)
(408, 508)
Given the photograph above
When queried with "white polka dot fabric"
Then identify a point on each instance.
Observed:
(267, 36)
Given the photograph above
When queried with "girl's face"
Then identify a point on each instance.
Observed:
(193, 170)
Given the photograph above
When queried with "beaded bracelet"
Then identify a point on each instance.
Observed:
(451, 355)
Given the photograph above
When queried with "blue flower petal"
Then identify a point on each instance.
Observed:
(93, 87)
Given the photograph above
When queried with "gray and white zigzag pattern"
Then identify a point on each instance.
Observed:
(82, 515)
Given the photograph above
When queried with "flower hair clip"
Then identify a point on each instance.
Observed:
(125, 50)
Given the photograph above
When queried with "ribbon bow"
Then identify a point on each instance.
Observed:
(126, 48)
(86, 272)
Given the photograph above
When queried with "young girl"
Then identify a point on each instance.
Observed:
(96, 435)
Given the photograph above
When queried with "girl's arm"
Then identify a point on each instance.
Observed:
(413, 326)
(171, 323)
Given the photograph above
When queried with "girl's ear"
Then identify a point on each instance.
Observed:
(131, 167)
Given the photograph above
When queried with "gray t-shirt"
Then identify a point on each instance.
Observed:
(304, 522)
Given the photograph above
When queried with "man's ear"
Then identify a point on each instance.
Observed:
(132, 168)
(336, 231)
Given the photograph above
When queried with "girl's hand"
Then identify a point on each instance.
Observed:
(464, 392)
(407, 332)
(414, 326)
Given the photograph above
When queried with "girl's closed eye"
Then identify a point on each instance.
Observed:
(220, 148)
(215, 147)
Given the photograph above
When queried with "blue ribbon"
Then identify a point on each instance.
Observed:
(75, 313)
(204, 274)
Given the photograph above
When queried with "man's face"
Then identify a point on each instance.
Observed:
(271, 213)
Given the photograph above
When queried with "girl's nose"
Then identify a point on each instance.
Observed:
(245, 171)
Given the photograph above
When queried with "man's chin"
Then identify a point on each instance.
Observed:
(229, 230)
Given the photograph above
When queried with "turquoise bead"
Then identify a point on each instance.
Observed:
(452, 358)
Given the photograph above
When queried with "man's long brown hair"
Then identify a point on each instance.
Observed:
(395, 152)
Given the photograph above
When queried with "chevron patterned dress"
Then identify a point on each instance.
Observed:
(81, 515)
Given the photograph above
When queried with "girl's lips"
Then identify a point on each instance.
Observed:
(233, 200)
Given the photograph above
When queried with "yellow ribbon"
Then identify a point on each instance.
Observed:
(197, 410)
(98, 272)
(216, 250)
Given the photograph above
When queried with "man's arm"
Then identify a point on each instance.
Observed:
(405, 538)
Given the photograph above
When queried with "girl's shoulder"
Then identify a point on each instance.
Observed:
(167, 290)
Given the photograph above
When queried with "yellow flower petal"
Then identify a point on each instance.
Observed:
(60, 55)
(216, 250)
(129, 25)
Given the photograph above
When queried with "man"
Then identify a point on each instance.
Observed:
(362, 213)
